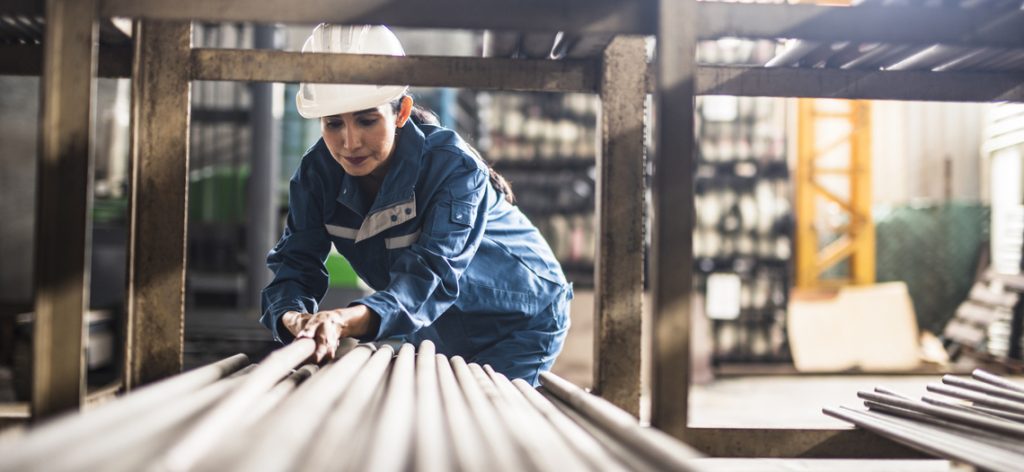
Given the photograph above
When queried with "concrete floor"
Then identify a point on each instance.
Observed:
(789, 401)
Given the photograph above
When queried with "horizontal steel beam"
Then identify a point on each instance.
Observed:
(114, 61)
(466, 72)
(858, 85)
(869, 24)
(582, 76)
(550, 76)
(584, 16)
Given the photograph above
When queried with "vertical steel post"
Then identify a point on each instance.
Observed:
(672, 246)
(261, 205)
(159, 193)
(618, 269)
(63, 224)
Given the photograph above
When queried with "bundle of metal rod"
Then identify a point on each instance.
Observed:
(372, 409)
(986, 433)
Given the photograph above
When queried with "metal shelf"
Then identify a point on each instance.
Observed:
(168, 63)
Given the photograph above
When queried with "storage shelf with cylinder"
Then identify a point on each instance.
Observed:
(743, 236)
(545, 145)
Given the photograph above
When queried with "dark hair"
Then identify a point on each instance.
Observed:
(423, 116)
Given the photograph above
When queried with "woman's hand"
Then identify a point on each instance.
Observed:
(294, 321)
(329, 326)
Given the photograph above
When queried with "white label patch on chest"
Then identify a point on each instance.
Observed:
(387, 218)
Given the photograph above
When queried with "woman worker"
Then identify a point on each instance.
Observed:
(422, 220)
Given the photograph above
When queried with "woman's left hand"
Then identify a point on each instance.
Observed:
(329, 326)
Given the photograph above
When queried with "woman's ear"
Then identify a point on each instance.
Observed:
(404, 112)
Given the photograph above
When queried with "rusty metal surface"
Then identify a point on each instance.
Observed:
(671, 253)
(64, 202)
(467, 72)
(618, 271)
(27, 59)
(157, 205)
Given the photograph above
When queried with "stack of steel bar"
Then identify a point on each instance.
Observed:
(372, 409)
(982, 425)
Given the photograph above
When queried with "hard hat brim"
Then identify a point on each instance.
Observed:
(348, 98)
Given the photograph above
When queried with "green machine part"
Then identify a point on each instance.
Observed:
(217, 194)
(341, 272)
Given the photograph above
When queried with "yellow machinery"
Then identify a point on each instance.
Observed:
(833, 194)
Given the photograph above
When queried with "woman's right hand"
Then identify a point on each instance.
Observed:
(295, 322)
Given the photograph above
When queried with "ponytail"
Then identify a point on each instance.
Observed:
(422, 116)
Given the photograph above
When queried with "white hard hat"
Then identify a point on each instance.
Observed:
(317, 100)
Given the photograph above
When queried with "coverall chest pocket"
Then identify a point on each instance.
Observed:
(451, 217)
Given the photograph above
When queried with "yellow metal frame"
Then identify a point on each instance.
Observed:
(856, 239)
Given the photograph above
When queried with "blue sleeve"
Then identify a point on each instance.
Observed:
(425, 278)
(297, 261)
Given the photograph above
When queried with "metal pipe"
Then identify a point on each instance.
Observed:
(984, 388)
(129, 448)
(999, 413)
(923, 438)
(491, 428)
(321, 453)
(433, 444)
(266, 405)
(996, 380)
(963, 446)
(650, 443)
(300, 415)
(359, 445)
(419, 405)
(988, 437)
(241, 372)
(585, 445)
(203, 437)
(975, 409)
(631, 459)
(516, 427)
(795, 51)
(52, 437)
(552, 450)
(965, 62)
(864, 60)
(980, 398)
(930, 57)
(961, 417)
(393, 427)
(276, 395)
(473, 452)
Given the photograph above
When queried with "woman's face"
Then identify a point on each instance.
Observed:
(361, 141)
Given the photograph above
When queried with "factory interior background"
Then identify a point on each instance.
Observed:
(835, 241)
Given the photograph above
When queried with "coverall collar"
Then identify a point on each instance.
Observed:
(395, 203)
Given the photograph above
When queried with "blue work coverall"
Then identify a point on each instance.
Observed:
(450, 259)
